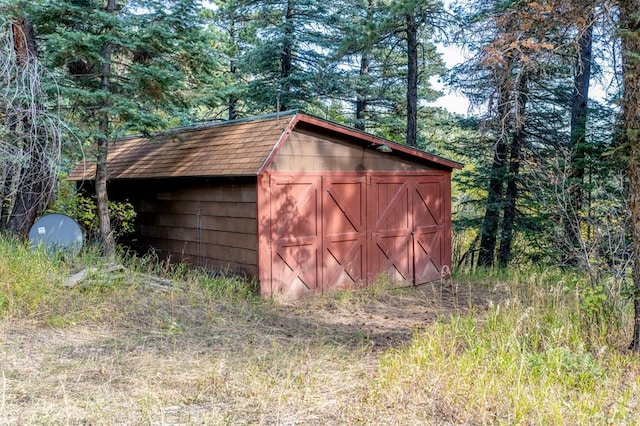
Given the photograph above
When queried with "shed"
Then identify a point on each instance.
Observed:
(302, 204)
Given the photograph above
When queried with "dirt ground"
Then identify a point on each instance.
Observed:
(157, 357)
(386, 319)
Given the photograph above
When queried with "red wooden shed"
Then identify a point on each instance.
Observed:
(300, 203)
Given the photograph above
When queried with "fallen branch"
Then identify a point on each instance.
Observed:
(75, 279)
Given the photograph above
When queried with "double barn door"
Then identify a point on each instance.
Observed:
(343, 231)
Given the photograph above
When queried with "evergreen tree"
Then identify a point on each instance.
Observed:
(286, 59)
(372, 83)
(387, 57)
(420, 18)
(524, 58)
(235, 30)
(125, 66)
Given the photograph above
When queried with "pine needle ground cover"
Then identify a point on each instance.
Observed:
(494, 349)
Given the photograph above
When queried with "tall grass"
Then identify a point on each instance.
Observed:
(32, 286)
(29, 280)
(539, 356)
(548, 349)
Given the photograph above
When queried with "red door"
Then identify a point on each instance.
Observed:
(344, 227)
(429, 228)
(390, 223)
(343, 231)
(409, 227)
(295, 236)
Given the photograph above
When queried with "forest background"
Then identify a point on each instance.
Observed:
(551, 174)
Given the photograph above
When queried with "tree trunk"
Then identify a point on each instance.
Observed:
(32, 196)
(412, 80)
(35, 179)
(106, 235)
(286, 58)
(511, 194)
(233, 69)
(630, 30)
(233, 100)
(489, 230)
(361, 101)
(579, 102)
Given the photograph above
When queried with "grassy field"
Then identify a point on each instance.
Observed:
(530, 347)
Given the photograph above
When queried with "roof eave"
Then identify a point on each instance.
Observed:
(276, 146)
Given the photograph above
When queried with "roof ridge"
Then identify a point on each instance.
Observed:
(209, 124)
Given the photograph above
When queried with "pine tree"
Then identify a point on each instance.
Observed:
(388, 56)
(286, 59)
(524, 58)
(235, 31)
(125, 67)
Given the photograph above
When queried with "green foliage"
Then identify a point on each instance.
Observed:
(83, 209)
(593, 301)
(285, 56)
(161, 54)
(121, 213)
(32, 285)
(370, 63)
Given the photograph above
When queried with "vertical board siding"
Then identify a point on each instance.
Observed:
(309, 152)
(295, 235)
(390, 222)
(344, 254)
(430, 229)
(343, 230)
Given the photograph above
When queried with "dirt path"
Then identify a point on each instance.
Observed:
(384, 320)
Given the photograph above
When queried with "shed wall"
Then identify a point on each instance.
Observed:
(306, 151)
(203, 222)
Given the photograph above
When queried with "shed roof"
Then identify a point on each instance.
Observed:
(232, 148)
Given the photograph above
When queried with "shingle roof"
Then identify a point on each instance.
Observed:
(231, 148)
(234, 148)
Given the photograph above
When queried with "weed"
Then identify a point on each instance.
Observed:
(29, 280)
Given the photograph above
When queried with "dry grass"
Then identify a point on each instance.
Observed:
(125, 353)
(121, 352)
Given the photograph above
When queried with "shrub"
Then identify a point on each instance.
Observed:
(84, 210)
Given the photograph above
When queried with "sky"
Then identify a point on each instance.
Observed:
(600, 89)
(450, 100)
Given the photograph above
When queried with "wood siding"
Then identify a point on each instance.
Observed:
(201, 222)
(306, 151)
(331, 231)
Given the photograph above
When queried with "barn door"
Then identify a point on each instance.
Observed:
(429, 228)
(342, 231)
(390, 222)
(295, 235)
(344, 227)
